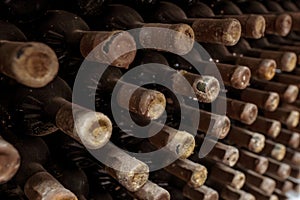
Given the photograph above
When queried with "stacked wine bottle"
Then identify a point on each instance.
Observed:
(90, 88)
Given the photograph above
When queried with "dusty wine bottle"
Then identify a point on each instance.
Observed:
(274, 150)
(285, 60)
(220, 152)
(218, 31)
(275, 24)
(191, 173)
(152, 191)
(205, 88)
(265, 100)
(275, 7)
(278, 169)
(236, 76)
(258, 194)
(30, 63)
(230, 176)
(286, 117)
(264, 184)
(287, 92)
(74, 37)
(253, 26)
(213, 124)
(261, 68)
(292, 157)
(238, 110)
(251, 161)
(177, 38)
(263, 43)
(10, 161)
(204, 193)
(288, 138)
(43, 111)
(71, 177)
(252, 141)
(37, 182)
(147, 103)
(181, 143)
(268, 127)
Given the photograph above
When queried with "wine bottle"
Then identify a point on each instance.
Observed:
(213, 124)
(146, 103)
(130, 172)
(253, 26)
(70, 177)
(254, 142)
(206, 88)
(287, 92)
(230, 193)
(263, 183)
(43, 111)
(268, 127)
(265, 100)
(10, 161)
(202, 192)
(286, 117)
(263, 43)
(74, 38)
(287, 79)
(258, 194)
(279, 24)
(37, 182)
(288, 138)
(239, 110)
(177, 38)
(278, 169)
(30, 63)
(274, 150)
(292, 156)
(151, 191)
(283, 186)
(251, 161)
(218, 31)
(223, 153)
(285, 60)
(261, 68)
(191, 173)
(290, 9)
(236, 76)
(231, 177)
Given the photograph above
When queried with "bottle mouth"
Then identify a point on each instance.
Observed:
(238, 180)
(293, 119)
(257, 143)
(231, 157)
(288, 61)
(241, 77)
(278, 151)
(283, 24)
(274, 129)
(222, 127)
(198, 177)
(233, 33)
(257, 31)
(272, 102)
(249, 113)
(207, 89)
(267, 69)
(35, 65)
(9, 161)
(291, 94)
(262, 165)
(154, 103)
(94, 129)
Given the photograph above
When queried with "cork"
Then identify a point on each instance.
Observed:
(29, 63)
